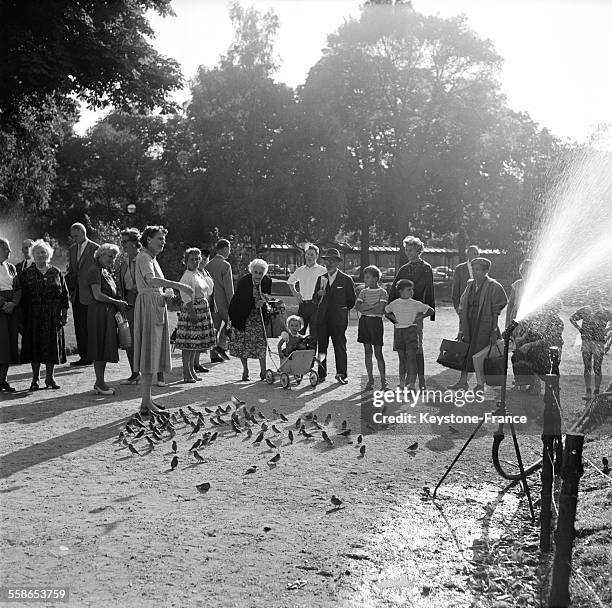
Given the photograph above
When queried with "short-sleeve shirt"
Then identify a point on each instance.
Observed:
(370, 296)
(594, 322)
(147, 268)
(201, 284)
(405, 311)
(307, 277)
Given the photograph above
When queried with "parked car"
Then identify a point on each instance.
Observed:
(443, 273)
(388, 273)
(275, 269)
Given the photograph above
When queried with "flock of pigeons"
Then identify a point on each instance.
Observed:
(236, 419)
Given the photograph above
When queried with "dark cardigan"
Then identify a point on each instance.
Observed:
(243, 303)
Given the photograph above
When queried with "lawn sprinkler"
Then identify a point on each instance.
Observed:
(499, 434)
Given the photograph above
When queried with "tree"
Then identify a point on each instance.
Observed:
(413, 95)
(95, 50)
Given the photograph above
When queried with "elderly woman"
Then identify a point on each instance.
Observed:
(479, 308)
(151, 335)
(10, 295)
(195, 331)
(245, 313)
(126, 285)
(101, 325)
(44, 303)
(420, 273)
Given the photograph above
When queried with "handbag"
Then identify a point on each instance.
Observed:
(175, 304)
(276, 320)
(453, 354)
(494, 367)
(124, 337)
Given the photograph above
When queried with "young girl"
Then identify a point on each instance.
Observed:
(371, 304)
(292, 337)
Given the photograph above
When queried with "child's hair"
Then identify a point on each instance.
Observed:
(295, 318)
(374, 271)
(403, 284)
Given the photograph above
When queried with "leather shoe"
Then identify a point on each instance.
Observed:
(200, 369)
(80, 363)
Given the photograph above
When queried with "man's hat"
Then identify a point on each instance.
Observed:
(332, 254)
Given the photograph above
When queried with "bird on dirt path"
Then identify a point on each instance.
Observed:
(344, 423)
(197, 456)
(249, 433)
(140, 433)
(196, 445)
(336, 501)
(307, 434)
(174, 463)
(362, 451)
(270, 444)
(203, 487)
(298, 423)
(413, 447)
(290, 434)
(251, 470)
(133, 449)
(345, 432)
(359, 438)
(259, 438)
(328, 419)
(283, 417)
(275, 458)
(150, 441)
(326, 438)
(237, 401)
(174, 446)
(606, 465)
(275, 429)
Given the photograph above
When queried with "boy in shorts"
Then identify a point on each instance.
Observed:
(404, 314)
(371, 304)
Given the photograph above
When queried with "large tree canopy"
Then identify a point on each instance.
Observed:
(95, 50)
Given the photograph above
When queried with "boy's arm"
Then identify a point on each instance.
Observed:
(577, 316)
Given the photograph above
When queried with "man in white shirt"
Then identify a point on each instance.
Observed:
(306, 277)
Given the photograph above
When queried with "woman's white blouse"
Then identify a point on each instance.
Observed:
(201, 284)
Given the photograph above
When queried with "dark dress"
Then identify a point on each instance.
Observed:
(43, 296)
(101, 324)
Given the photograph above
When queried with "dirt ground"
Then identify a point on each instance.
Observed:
(80, 511)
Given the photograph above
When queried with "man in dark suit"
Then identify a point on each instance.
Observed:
(27, 261)
(335, 295)
(80, 261)
(463, 273)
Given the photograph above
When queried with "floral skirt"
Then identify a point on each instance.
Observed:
(250, 343)
(199, 334)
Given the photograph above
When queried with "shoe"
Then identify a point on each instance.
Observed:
(134, 379)
(245, 377)
(458, 386)
(99, 391)
(80, 363)
(342, 379)
(216, 358)
(200, 369)
(51, 384)
(222, 353)
(262, 376)
(189, 380)
(384, 386)
(5, 386)
(34, 386)
(161, 383)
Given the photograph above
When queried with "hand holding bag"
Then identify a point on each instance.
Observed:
(124, 337)
(494, 366)
(453, 354)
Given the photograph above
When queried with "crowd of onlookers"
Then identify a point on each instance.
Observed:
(107, 291)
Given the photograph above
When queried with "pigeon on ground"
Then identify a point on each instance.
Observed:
(197, 456)
(150, 441)
(298, 423)
(174, 446)
(259, 437)
(213, 437)
(249, 433)
(203, 487)
(307, 434)
(139, 434)
(344, 423)
(251, 470)
(270, 444)
(336, 501)
(174, 463)
(275, 458)
(290, 434)
(133, 449)
(326, 438)
(237, 401)
(328, 419)
(275, 429)
(196, 445)
(359, 438)
(605, 464)
(362, 450)
(345, 432)
(413, 447)
(283, 417)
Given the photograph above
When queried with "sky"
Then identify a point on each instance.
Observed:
(556, 52)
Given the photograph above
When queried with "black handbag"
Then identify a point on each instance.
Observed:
(453, 354)
(494, 367)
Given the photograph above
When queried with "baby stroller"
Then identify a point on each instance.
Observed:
(299, 362)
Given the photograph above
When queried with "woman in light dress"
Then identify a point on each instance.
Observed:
(151, 335)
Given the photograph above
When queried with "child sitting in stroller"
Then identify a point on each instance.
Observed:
(292, 339)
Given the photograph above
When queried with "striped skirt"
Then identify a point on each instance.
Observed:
(199, 334)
